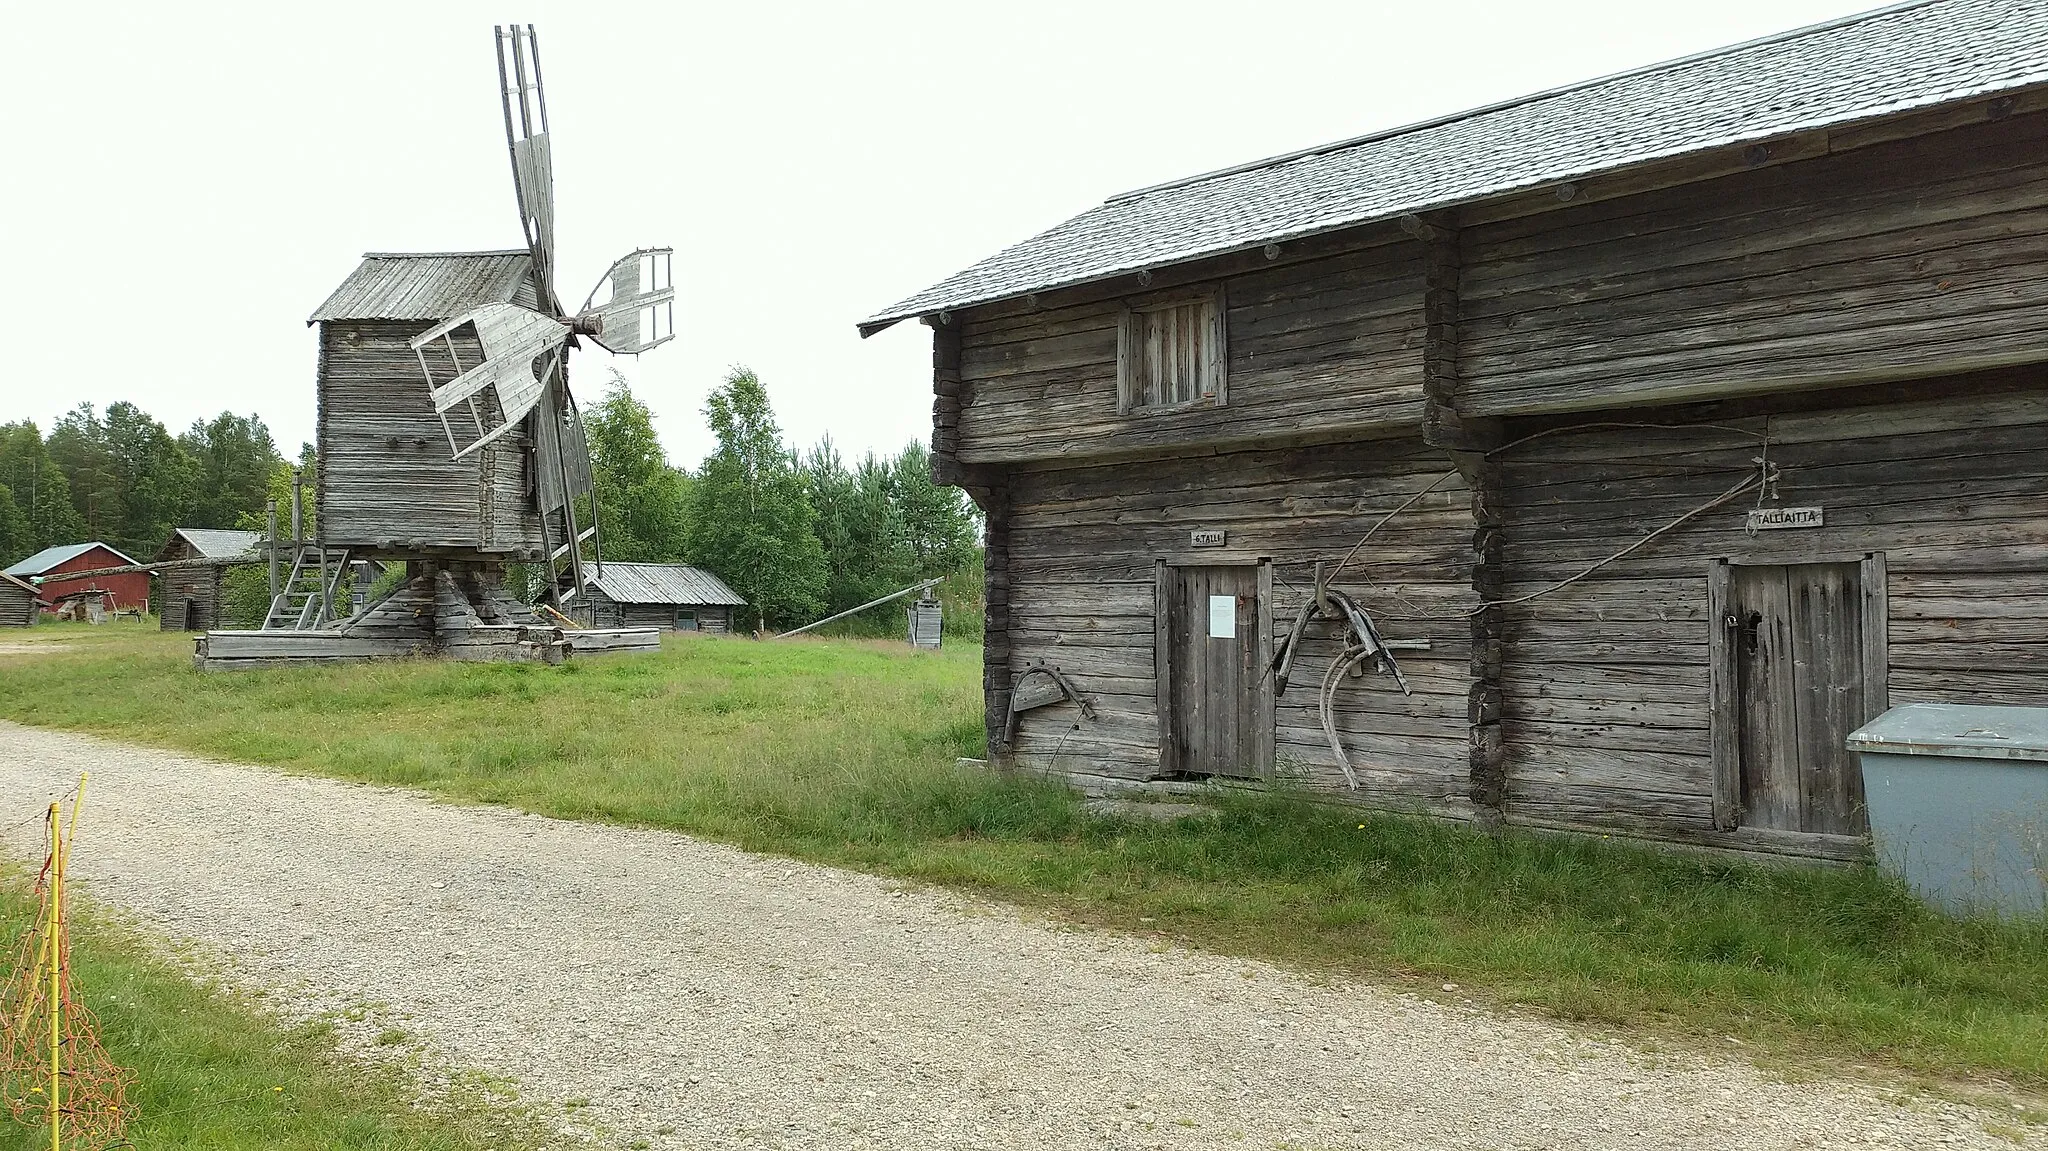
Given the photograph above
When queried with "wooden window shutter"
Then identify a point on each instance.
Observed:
(1171, 353)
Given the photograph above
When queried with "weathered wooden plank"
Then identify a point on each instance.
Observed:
(1678, 764)
(1681, 709)
(1958, 681)
(1954, 175)
(1536, 798)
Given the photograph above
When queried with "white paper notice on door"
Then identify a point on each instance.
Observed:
(1222, 617)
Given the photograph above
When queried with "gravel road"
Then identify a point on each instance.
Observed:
(698, 996)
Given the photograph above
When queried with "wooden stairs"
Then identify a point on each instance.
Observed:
(305, 600)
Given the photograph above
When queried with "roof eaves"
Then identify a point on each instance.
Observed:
(934, 300)
(909, 308)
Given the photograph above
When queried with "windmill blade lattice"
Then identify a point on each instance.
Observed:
(514, 340)
(526, 134)
(638, 312)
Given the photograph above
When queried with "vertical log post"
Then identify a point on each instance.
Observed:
(1466, 440)
(991, 494)
(995, 642)
(270, 544)
(298, 528)
(946, 467)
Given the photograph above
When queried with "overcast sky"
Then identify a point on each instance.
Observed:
(185, 187)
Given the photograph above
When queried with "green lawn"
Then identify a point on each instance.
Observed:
(213, 1071)
(843, 752)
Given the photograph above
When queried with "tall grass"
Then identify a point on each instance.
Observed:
(843, 752)
(213, 1070)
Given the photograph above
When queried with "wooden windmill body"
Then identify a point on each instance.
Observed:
(448, 438)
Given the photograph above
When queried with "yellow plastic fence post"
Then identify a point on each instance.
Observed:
(56, 949)
(63, 850)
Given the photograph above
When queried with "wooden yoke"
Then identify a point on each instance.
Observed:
(1466, 440)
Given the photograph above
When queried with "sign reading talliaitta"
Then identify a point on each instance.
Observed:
(1764, 519)
(1205, 538)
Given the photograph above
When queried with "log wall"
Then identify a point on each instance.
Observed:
(1077, 558)
(1606, 707)
(606, 612)
(1903, 259)
(387, 483)
(17, 604)
(188, 599)
(1322, 344)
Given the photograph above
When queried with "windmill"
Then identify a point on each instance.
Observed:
(448, 437)
(636, 313)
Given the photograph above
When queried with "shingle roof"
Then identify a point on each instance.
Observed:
(1897, 59)
(218, 543)
(429, 285)
(48, 558)
(663, 583)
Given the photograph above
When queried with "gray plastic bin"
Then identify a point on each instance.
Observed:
(1958, 800)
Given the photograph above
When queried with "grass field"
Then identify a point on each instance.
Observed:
(213, 1071)
(843, 752)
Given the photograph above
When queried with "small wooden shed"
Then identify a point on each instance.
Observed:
(190, 597)
(126, 591)
(674, 596)
(18, 602)
(1661, 429)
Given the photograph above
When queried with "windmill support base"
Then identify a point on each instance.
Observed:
(448, 609)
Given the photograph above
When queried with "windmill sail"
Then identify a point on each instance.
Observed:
(561, 454)
(499, 391)
(526, 134)
(638, 311)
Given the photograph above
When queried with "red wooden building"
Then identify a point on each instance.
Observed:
(46, 568)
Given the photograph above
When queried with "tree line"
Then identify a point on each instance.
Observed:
(122, 478)
(798, 534)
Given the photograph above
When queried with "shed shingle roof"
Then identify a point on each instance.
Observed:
(429, 285)
(218, 543)
(1906, 57)
(663, 583)
(48, 558)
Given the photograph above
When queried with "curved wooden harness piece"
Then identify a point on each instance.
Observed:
(1039, 686)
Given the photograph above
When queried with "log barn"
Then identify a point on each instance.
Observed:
(674, 596)
(189, 597)
(126, 591)
(1658, 431)
(18, 602)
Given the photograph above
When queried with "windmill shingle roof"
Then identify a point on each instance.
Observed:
(429, 285)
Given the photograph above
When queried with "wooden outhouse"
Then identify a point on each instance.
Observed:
(1657, 431)
(674, 596)
(18, 602)
(189, 595)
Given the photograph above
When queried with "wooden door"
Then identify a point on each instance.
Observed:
(1797, 646)
(1215, 703)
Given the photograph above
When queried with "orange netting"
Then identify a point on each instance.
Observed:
(90, 1092)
